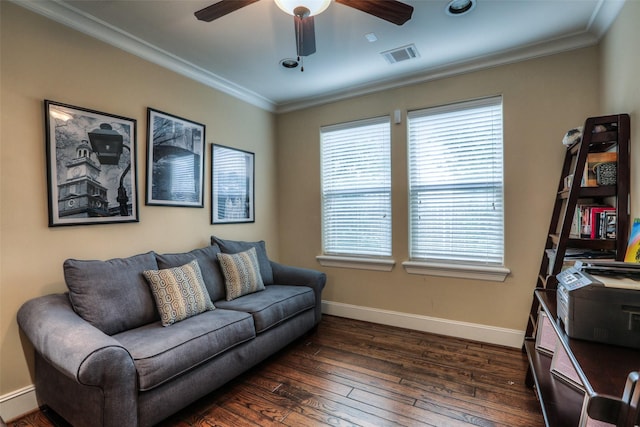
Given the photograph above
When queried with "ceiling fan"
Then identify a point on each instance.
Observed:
(303, 12)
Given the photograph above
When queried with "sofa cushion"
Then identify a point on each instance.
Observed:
(235, 246)
(161, 354)
(274, 305)
(112, 295)
(179, 292)
(241, 273)
(209, 267)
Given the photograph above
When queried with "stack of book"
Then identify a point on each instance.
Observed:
(594, 222)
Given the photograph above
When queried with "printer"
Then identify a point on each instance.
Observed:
(601, 302)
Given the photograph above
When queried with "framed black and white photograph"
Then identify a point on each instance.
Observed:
(175, 160)
(232, 185)
(91, 166)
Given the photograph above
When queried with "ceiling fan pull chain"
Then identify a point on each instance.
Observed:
(301, 58)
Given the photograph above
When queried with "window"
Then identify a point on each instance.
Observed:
(456, 184)
(356, 188)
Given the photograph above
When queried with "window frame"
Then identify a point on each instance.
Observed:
(445, 267)
(335, 257)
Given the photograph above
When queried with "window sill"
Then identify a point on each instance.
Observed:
(495, 274)
(376, 264)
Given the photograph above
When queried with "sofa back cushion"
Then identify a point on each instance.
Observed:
(112, 295)
(236, 246)
(209, 267)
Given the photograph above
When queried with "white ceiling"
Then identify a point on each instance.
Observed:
(240, 52)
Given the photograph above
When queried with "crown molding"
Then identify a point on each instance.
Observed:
(576, 41)
(603, 16)
(103, 31)
(601, 20)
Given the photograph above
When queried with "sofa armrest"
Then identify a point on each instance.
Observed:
(84, 373)
(73, 346)
(298, 276)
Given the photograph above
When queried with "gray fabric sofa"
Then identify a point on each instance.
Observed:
(103, 358)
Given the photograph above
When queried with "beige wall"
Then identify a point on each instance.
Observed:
(620, 85)
(44, 60)
(543, 98)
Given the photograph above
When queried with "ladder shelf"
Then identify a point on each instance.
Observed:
(578, 191)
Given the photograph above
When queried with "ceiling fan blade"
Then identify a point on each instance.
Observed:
(221, 8)
(390, 10)
(305, 35)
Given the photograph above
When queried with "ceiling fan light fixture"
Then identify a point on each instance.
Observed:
(314, 6)
(459, 7)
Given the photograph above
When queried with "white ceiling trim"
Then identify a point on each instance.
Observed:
(488, 61)
(78, 20)
(602, 18)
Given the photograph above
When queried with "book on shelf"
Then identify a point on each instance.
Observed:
(593, 221)
(598, 218)
(609, 223)
(589, 178)
(563, 369)
(574, 233)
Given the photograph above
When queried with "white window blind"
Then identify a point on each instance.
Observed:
(233, 183)
(356, 188)
(456, 183)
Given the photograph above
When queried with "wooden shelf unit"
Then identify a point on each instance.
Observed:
(568, 198)
(605, 371)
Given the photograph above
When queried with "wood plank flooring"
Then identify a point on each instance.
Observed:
(353, 373)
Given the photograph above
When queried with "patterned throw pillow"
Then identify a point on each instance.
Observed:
(236, 246)
(241, 273)
(179, 292)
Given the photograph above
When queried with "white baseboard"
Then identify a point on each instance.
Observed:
(18, 403)
(473, 331)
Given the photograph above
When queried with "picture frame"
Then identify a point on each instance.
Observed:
(91, 166)
(175, 160)
(232, 185)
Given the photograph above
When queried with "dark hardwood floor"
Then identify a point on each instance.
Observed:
(353, 373)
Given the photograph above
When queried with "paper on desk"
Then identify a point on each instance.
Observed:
(618, 282)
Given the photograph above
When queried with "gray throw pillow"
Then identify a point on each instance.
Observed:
(237, 246)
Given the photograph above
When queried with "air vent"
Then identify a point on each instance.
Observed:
(401, 54)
